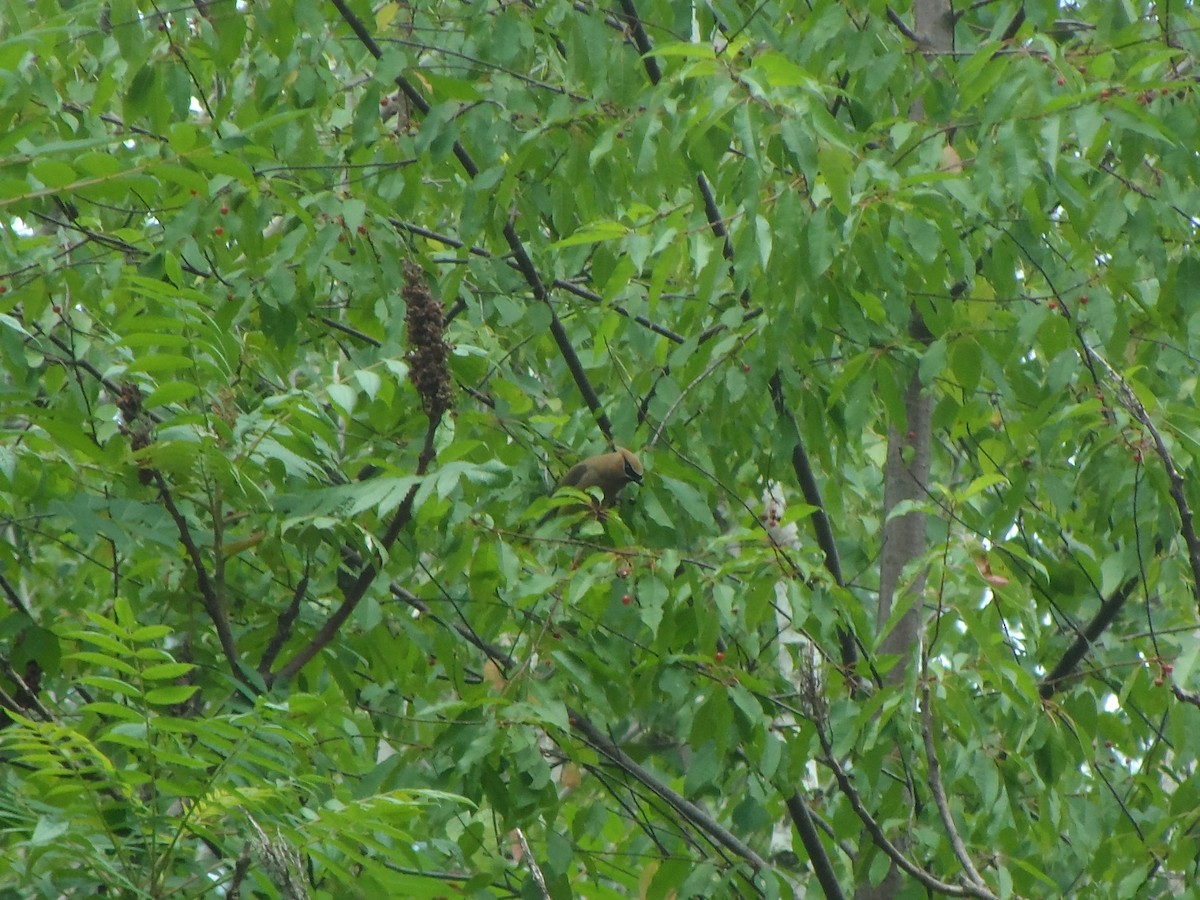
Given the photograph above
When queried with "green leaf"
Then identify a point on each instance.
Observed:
(685, 49)
(593, 233)
(166, 671)
(169, 696)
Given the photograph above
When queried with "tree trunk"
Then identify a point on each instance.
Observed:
(906, 476)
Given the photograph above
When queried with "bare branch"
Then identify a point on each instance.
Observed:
(938, 788)
(534, 870)
(1084, 640)
(283, 627)
(807, 830)
(902, 27)
(213, 604)
(694, 814)
(357, 589)
(891, 850)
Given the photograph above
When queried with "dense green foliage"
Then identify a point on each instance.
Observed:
(269, 615)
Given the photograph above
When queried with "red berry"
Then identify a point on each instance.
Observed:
(746, 367)
(1083, 301)
(1168, 668)
(719, 655)
(1105, 94)
(362, 229)
(1052, 305)
(224, 210)
(626, 599)
(1061, 81)
(56, 308)
(3, 289)
(1158, 682)
(218, 231)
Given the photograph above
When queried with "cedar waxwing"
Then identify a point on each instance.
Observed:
(608, 471)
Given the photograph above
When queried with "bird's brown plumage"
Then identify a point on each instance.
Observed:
(608, 471)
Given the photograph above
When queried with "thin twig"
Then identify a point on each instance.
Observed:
(558, 283)
(283, 627)
(534, 870)
(495, 653)
(938, 788)
(1131, 403)
(708, 370)
(27, 693)
(214, 606)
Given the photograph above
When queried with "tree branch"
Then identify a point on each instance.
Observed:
(283, 627)
(807, 830)
(880, 839)
(1178, 491)
(902, 27)
(535, 870)
(354, 592)
(559, 283)
(823, 531)
(1050, 684)
(812, 844)
(939, 790)
(214, 606)
(694, 814)
(524, 263)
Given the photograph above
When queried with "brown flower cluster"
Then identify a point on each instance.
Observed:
(427, 346)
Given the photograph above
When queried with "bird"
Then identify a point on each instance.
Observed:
(608, 471)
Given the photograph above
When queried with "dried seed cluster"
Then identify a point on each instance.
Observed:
(427, 347)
